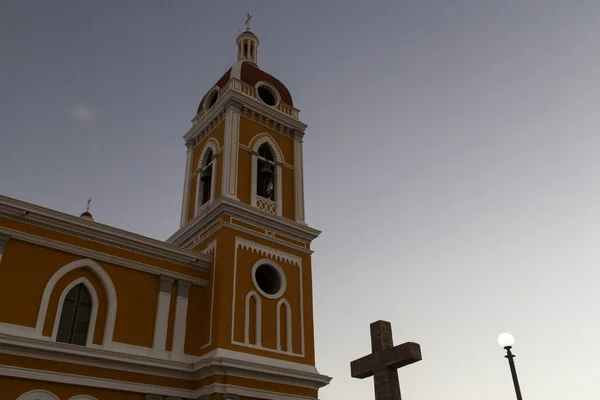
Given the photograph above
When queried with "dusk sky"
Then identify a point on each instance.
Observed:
(451, 161)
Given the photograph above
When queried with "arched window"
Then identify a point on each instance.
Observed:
(205, 184)
(75, 316)
(265, 185)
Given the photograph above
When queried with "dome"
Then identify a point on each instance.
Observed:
(246, 70)
(87, 215)
(249, 73)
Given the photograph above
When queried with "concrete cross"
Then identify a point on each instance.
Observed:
(385, 359)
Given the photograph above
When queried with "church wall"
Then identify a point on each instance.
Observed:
(96, 246)
(223, 303)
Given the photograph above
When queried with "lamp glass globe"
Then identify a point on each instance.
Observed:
(506, 339)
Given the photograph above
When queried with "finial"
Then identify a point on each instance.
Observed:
(248, 18)
(87, 208)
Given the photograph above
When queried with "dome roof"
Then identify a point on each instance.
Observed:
(249, 73)
(87, 215)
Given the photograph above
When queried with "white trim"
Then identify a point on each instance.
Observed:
(3, 241)
(213, 145)
(274, 91)
(111, 384)
(282, 278)
(262, 138)
(179, 326)
(288, 324)
(111, 296)
(94, 313)
(161, 320)
(38, 395)
(278, 256)
(299, 181)
(255, 144)
(208, 94)
(99, 233)
(211, 248)
(257, 322)
(186, 186)
(100, 256)
(218, 361)
(231, 150)
(250, 214)
(79, 380)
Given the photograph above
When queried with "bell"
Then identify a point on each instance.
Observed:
(266, 169)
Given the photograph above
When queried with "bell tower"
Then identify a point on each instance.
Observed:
(243, 204)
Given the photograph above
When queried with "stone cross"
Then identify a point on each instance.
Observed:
(384, 360)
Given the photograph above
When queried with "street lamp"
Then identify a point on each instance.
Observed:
(506, 340)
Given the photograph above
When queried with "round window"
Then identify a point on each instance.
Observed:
(211, 99)
(269, 280)
(267, 95)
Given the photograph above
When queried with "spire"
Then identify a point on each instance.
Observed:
(247, 43)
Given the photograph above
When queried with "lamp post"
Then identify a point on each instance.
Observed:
(506, 340)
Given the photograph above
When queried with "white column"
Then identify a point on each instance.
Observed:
(230, 153)
(253, 181)
(278, 189)
(299, 181)
(186, 186)
(183, 290)
(161, 322)
(3, 241)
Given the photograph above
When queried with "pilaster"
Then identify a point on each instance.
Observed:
(186, 186)
(161, 321)
(230, 158)
(299, 181)
(183, 290)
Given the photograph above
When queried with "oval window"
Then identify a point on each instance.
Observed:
(267, 95)
(211, 99)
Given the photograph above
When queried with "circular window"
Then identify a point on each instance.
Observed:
(269, 279)
(211, 99)
(267, 95)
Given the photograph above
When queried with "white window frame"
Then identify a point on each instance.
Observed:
(213, 146)
(254, 197)
(94, 313)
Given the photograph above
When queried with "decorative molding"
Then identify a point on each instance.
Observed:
(124, 358)
(109, 288)
(247, 213)
(100, 256)
(288, 325)
(263, 138)
(38, 395)
(257, 322)
(232, 93)
(186, 186)
(277, 255)
(94, 312)
(211, 249)
(267, 251)
(161, 319)
(93, 231)
(281, 276)
(213, 145)
(3, 240)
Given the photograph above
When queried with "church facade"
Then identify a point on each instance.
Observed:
(220, 310)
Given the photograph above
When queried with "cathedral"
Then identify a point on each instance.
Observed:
(223, 309)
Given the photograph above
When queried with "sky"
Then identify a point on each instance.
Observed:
(451, 161)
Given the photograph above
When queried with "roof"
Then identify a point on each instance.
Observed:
(249, 73)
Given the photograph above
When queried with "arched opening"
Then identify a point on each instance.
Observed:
(265, 185)
(75, 316)
(253, 319)
(206, 177)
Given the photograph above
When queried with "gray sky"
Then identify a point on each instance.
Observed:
(451, 162)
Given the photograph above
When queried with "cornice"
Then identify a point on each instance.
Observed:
(217, 362)
(235, 208)
(90, 230)
(240, 99)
